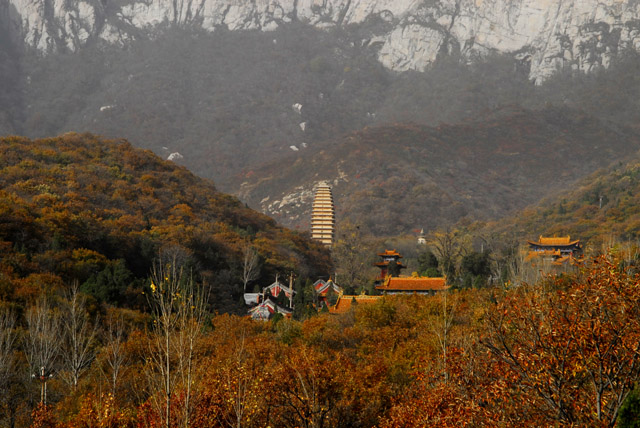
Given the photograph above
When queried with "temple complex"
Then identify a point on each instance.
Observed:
(557, 250)
(388, 259)
(323, 215)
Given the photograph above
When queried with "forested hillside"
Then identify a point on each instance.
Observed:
(396, 178)
(79, 208)
(114, 263)
(238, 106)
(225, 100)
(600, 209)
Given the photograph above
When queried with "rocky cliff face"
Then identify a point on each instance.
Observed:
(408, 34)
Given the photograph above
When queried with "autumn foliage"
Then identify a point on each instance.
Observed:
(79, 208)
(75, 264)
(563, 352)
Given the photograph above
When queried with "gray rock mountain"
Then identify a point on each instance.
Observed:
(410, 34)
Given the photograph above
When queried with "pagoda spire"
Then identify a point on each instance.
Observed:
(323, 215)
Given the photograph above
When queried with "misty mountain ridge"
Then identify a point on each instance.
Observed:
(601, 210)
(232, 101)
(395, 178)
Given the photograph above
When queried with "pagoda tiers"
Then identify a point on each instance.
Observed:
(389, 256)
(322, 215)
(410, 285)
(558, 250)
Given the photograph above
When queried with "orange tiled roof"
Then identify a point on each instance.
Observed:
(414, 284)
(344, 302)
(559, 240)
(389, 253)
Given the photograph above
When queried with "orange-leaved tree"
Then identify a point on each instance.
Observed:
(571, 345)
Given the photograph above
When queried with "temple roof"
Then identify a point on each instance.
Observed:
(413, 284)
(390, 253)
(277, 286)
(322, 287)
(267, 308)
(555, 241)
(344, 302)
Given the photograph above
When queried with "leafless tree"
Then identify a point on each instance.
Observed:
(79, 334)
(441, 331)
(114, 356)
(178, 307)
(164, 300)
(354, 256)
(237, 377)
(448, 246)
(250, 265)
(42, 343)
(522, 271)
(191, 314)
(7, 339)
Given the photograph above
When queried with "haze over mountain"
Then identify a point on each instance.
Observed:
(235, 89)
(601, 209)
(392, 179)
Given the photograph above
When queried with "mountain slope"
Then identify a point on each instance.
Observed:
(225, 101)
(393, 179)
(602, 208)
(99, 212)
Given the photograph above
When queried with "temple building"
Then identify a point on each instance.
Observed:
(322, 215)
(389, 264)
(557, 250)
(411, 285)
(266, 309)
(265, 304)
(327, 292)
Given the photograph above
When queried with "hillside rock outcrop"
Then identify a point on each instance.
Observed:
(408, 34)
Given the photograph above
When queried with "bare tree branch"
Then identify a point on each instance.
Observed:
(78, 352)
(250, 265)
